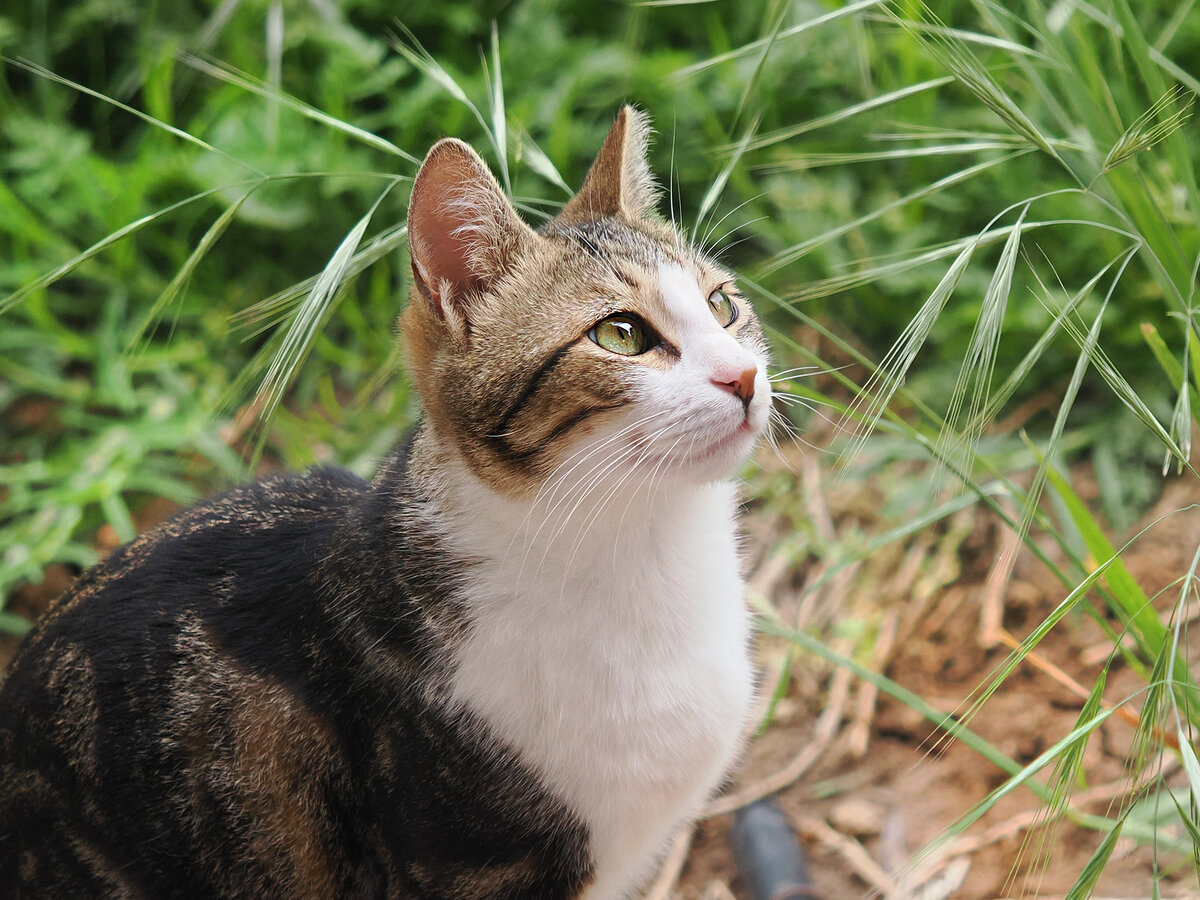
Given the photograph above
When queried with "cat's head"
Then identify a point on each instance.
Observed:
(604, 339)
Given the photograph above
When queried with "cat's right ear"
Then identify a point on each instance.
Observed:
(462, 231)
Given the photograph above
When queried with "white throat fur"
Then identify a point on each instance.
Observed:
(612, 656)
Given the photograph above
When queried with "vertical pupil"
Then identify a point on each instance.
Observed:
(721, 306)
(620, 334)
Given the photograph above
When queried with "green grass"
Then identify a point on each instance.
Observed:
(201, 228)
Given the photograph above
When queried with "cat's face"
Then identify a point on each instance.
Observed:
(601, 345)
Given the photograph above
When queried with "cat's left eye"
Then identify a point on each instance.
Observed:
(623, 334)
(723, 309)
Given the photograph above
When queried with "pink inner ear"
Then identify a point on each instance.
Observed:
(444, 225)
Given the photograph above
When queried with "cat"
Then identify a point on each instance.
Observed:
(513, 665)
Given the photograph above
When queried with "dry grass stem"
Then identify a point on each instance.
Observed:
(850, 850)
(823, 733)
(991, 601)
(1008, 829)
(814, 499)
(1042, 664)
(768, 575)
(858, 734)
(718, 890)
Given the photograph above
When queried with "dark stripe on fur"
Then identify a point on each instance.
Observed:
(558, 431)
(531, 387)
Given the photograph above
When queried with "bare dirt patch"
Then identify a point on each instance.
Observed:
(883, 783)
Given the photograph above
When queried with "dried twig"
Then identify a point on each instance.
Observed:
(718, 890)
(991, 603)
(850, 850)
(858, 734)
(1042, 664)
(768, 575)
(814, 500)
(232, 432)
(1008, 828)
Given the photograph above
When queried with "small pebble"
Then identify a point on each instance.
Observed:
(858, 817)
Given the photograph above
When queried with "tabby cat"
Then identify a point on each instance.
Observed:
(513, 665)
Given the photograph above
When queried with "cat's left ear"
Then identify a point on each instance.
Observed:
(619, 182)
(463, 234)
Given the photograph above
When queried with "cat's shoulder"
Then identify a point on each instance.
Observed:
(258, 542)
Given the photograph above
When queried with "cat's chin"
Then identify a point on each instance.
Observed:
(722, 458)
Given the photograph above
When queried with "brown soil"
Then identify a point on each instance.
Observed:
(886, 783)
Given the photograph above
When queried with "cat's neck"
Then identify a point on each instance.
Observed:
(611, 525)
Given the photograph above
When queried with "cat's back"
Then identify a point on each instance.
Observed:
(183, 667)
(248, 556)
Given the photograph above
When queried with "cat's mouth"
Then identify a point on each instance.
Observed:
(738, 440)
(727, 451)
(724, 452)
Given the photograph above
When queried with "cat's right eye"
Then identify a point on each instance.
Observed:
(623, 334)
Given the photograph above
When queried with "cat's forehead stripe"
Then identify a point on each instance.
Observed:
(618, 240)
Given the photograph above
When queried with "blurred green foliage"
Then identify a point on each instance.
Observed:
(845, 142)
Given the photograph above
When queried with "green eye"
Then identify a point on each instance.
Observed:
(623, 334)
(723, 309)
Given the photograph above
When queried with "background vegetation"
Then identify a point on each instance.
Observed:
(202, 252)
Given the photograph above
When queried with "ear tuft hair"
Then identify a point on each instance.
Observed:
(619, 183)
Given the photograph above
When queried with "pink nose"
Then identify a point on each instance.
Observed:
(741, 386)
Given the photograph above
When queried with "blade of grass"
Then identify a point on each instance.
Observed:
(718, 184)
(953, 53)
(124, 107)
(531, 153)
(424, 62)
(746, 49)
(975, 374)
(1067, 770)
(1134, 605)
(496, 106)
(756, 75)
(877, 394)
(1082, 364)
(1020, 776)
(275, 31)
(1156, 124)
(104, 243)
(796, 252)
(307, 320)
(1090, 875)
(992, 42)
(801, 162)
(917, 258)
(230, 75)
(271, 311)
(1002, 394)
(172, 291)
(793, 131)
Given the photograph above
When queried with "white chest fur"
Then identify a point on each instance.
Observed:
(615, 660)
